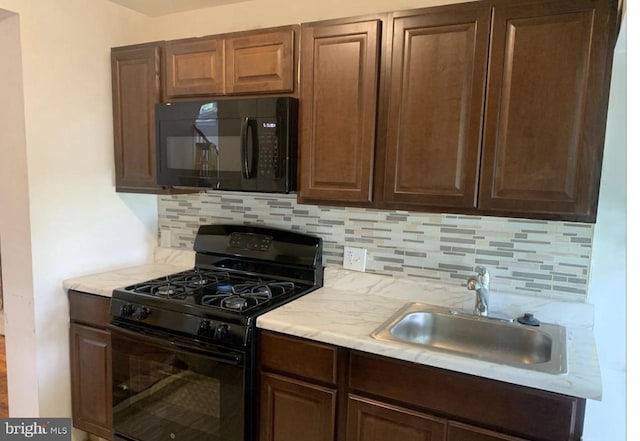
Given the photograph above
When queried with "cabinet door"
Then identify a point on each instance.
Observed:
(260, 62)
(547, 97)
(293, 410)
(136, 91)
(370, 420)
(194, 67)
(464, 432)
(435, 86)
(91, 380)
(339, 78)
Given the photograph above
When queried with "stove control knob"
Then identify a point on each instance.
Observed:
(205, 328)
(126, 310)
(141, 313)
(221, 332)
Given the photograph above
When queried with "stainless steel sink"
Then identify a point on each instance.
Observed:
(539, 348)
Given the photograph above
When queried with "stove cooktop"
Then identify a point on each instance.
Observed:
(218, 289)
(240, 272)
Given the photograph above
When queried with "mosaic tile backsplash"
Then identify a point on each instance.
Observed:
(533, 257)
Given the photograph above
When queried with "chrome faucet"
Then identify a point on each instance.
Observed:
(480, 283)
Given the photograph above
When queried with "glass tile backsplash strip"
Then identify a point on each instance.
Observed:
(534, 257)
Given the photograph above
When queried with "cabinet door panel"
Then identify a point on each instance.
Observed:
(464, 432)
(546, 108)
(338, 111)
(91, 380)
(260, 62)
(136, 90)
(436, 92)
(194, 67)
(370, 420)
(293, 410)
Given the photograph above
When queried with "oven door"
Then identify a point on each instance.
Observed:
(173, 388)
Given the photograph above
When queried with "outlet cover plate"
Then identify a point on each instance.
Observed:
(355, 259)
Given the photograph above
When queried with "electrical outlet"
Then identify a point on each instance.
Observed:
(355, 259)
(165, 238)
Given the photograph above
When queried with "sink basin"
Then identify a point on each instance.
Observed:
(539, 348)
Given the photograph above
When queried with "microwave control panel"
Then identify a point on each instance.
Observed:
(269, 154)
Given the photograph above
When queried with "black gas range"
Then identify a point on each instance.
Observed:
(190, 336)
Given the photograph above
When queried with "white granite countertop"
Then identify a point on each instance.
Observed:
(166, 261)
(351, 305)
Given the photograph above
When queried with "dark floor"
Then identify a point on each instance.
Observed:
(4, 401)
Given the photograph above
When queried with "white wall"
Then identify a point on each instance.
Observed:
(15, 232)
(57, 169)
(607, 289)
(256, 14)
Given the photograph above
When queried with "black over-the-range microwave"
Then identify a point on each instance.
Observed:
(231, 144)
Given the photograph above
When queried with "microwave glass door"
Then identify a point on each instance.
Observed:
(203, 149)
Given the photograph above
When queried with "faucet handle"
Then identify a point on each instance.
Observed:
(483, 276)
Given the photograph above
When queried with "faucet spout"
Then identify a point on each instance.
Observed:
(480, 283)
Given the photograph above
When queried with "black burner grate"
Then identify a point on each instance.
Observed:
(246, 295)
(215, 289)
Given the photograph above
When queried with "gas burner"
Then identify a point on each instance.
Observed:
(198, 278)
(166, 290)
(242, 296)
(264, 290)
(169, 291)
(197, 281)
(234, 302)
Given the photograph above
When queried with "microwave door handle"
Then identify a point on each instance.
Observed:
(253, 125)
(249, 164)
(244, 136)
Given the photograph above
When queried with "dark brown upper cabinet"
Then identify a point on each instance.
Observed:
(493, 107)
(435, 82)
(257, 62)
(135, 74)
(338, 105)
(194, 67)
(261, 61)
(548, 89)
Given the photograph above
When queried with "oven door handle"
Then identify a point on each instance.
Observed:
(214, 352)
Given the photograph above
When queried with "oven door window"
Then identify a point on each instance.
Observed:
(164, 393)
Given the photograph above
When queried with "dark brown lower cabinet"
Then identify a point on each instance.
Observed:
(90, 352)
(294, 410)
(370, 420)
(317, 391)
(464, 432)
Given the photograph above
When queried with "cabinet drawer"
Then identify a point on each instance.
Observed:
(89, 308)
(315, 361)
(503, 407)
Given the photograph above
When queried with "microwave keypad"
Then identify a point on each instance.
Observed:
(268, 158)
